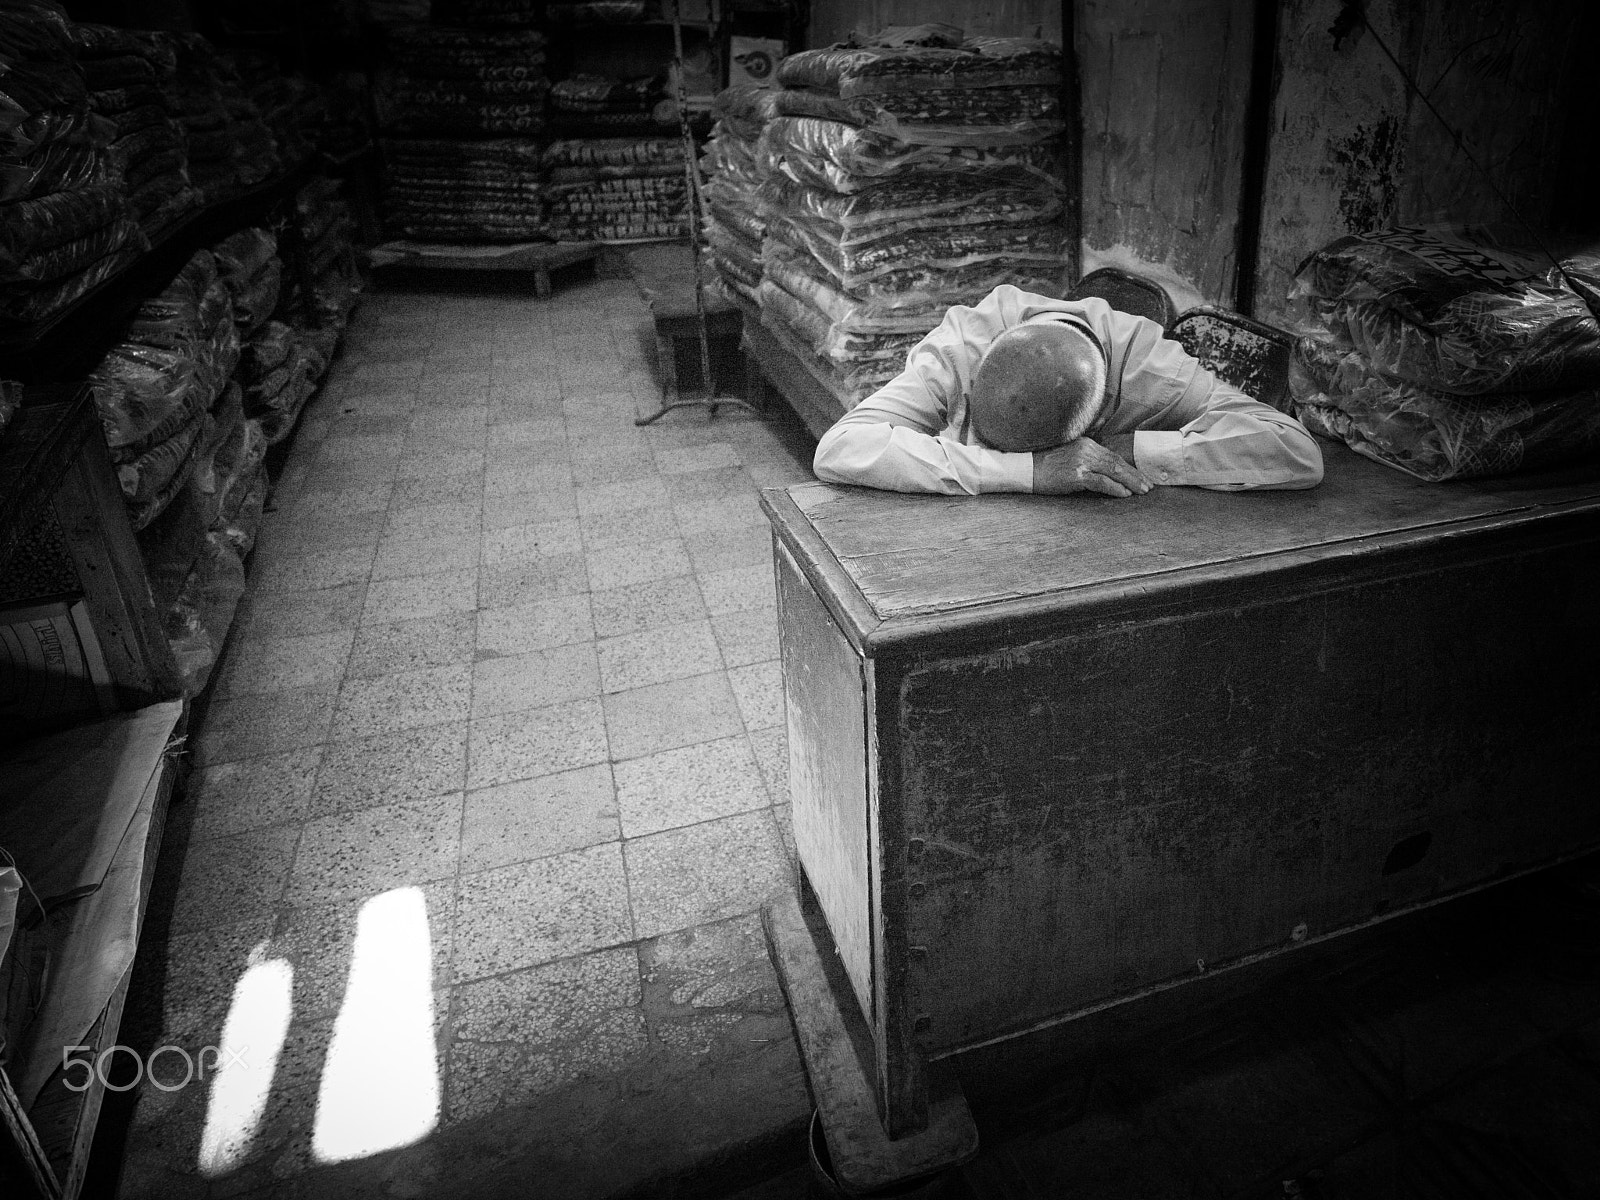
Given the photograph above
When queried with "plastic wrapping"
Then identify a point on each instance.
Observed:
(918, 201)
(1455, 309)
(255, 299)
(44, 301)
(144, 393)
(952, 117)
(32, 227)
(488, 14)
(899, 302)
(1434, 435)
(924, 253)
(843, 158)
(70, 258)
(876, 70)
(597, 94)
(71, 160)
(242, 254)
(152, 474)
(266, 349)
(610, 152)
(842, 349)
(198, 621)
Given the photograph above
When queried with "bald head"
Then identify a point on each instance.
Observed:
(1039, 385)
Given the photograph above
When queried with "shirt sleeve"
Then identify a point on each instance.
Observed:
(892, 439)
(1204, 433)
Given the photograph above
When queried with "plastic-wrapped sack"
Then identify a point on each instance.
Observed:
(916, 202)
(40, 302)
(865, 69)
(32, 227)
(144, 394)
(853, 267)
(1455, 309)
(1434, 435)
(69, 258)
(172, 317)
(953, 117)
(850, 385)
(198, 621)
(153, 472)
(901, 301)
(265, 350)
(843, 158)
(70, 160)
(256, 298)
(245, 523)
(842, 349)
(610, 152)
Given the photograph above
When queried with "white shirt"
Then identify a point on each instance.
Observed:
(912, 434)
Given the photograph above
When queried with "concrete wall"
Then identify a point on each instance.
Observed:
(1164, 84)
(1354, 148)
(833, 20)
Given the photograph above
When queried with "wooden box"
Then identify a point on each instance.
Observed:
(1049, 753)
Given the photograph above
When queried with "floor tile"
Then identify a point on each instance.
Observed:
(628, 526)
(712, 988)
(421, 596)
(657, 655)
(293, 614)
(540, 741)
(611, 468)
(771, 747)
(617, 566)
(647, 605)
(537, 579)
(539, 625)
(391, 768)
(314, 571)
(318, 940)
(385, 647)
(630, 493)
(250, 726)
(402, 557)
(438, 520)
(720, 550)
(688, 785)
(739, 589)
(252, 666)
(452, 461)
(198, 970)
(560, 906)
(404, 700)
(236, 878)
(535, 818)
(374, 498)
(522, 543)
(530, 508)
(710, 486)
(747, 637)
(680, 459)
(759, 688)
(515, 479)
(465, 488)
(282, 534)
(704, 872)
(252, 793)
(665, 716)
(511, 683)
(355, 855)
(727, 513)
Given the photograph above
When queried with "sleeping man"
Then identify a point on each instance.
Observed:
(1024, 393)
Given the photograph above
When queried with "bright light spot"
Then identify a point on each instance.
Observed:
(252, 1039)
(380, 1083)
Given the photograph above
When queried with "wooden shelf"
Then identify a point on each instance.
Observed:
(67, 345)
(57, 1128)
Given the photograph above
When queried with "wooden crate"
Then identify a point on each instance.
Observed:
(1048, 754)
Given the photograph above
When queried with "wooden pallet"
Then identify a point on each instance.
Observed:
(539, 258)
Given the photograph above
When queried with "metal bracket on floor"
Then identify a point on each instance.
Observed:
(704, 402)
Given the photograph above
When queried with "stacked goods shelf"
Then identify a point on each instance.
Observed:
(897, 178)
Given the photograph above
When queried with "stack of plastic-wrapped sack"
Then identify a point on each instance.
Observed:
(1450, 353)
(292, 107)
(65, 225)
(230, 146)
(156, 389)
(130, 77)
(581, 103)
(617, 189)
(735, 220)
(462, 123)
(904, 174)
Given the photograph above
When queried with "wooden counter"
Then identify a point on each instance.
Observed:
(1049, 753)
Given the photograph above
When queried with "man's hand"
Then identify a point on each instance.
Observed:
(1085, 466)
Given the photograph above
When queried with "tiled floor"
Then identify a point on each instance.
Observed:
(504, 647)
